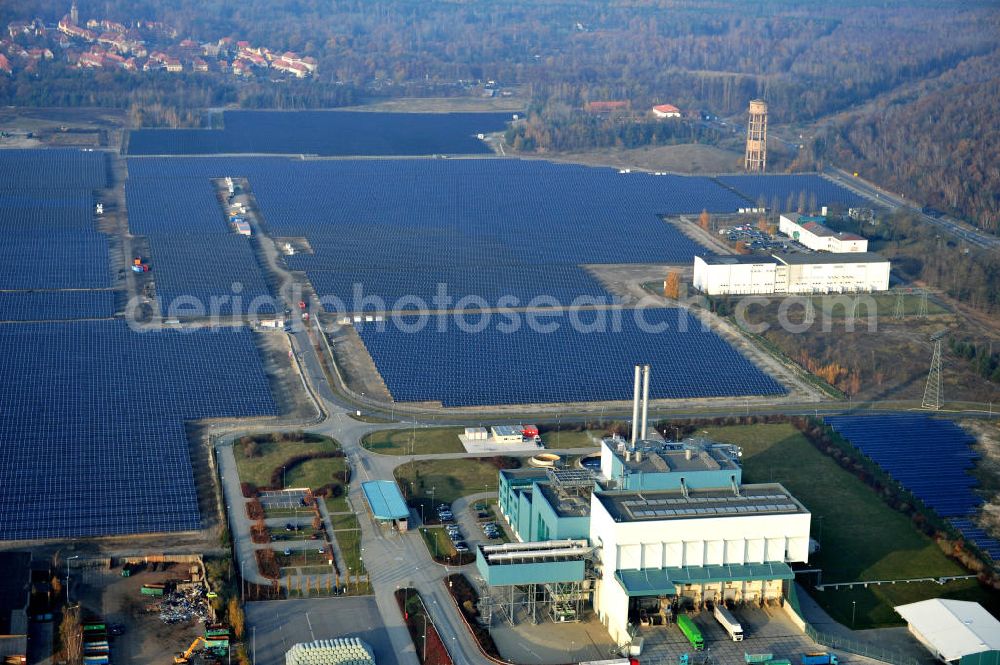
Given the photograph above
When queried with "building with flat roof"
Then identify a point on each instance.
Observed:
(507, 433)
(666, 524)
(660, 549)
(812, 232)
(791, 273)
(951, 629)
(386, 502)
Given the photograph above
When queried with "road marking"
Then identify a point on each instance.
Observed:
(309, 621)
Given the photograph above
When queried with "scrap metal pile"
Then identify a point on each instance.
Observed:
(182, 606)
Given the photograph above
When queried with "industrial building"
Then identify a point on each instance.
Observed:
(952, 629)
(791, 274)
(663, 527)
(812, 232)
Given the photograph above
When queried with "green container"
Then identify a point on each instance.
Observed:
(152, 591)
(691, 632)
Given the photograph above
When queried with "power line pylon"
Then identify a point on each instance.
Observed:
(932, 391)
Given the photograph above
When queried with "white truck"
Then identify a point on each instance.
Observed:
(729, 622)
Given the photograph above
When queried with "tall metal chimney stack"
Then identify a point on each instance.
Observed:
(645, 399)
(635, 404)
(756, 155)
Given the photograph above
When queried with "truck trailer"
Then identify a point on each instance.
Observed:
(729, 622)
(691, 632)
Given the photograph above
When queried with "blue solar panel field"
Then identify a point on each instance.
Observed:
(56, 305)
(54, 259)
(527, 366)
(930, 457)
(174, 206)
(92, 438)
(197, 270)
(326, 133)
(784, 193)
(25, 211)
(53, 169)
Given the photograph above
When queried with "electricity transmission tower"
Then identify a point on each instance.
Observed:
(897, 312)
(923, 304)
(932, 391)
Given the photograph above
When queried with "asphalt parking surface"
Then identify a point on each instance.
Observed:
(274, 626)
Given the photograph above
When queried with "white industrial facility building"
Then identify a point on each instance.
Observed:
(811, 232)
(952, 629)
(791, 274)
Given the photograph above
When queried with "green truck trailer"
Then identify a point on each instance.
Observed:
(691, 632)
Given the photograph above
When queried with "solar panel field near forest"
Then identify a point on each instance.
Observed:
(930, 457)
(568, 364)
(92, 438)
(328, 133)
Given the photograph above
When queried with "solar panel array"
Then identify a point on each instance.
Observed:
(328, 133)
(195, 271)
(48, 239)
(53, 169)
(566, 365)
(92, 439)
(26, 211)
(930, 457)
(188, 205)
(787, 192)
(195, 257)
(56, 305)
(483, 227)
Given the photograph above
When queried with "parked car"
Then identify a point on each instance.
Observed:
(461, 547)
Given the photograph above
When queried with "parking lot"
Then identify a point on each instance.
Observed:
(274, 626)
(766, 630)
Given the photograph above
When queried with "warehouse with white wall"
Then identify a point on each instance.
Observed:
(793, 273)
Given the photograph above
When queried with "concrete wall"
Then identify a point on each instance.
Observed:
(836, 277)
(737, 278)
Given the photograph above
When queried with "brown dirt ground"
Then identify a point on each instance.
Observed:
(147, 640)
(988, 469)
(684, 158)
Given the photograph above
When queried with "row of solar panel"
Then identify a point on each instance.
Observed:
(928, 456)
(55, 305)
(568, 364)
(92, 439)
(210, 273)
(790, 192)
(53, 169)
(447, 286)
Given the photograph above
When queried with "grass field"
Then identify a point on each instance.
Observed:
(308, 557)
(448, 479)
(418, 441)
(441, 549)
(270, 456)
(570, 439)
(861, 537)
(349, 542)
